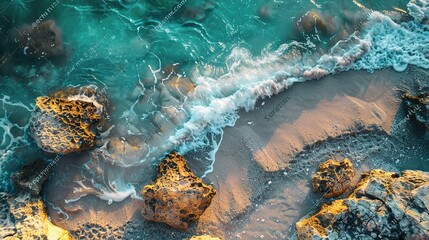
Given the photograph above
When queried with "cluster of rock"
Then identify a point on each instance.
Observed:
(177, 197)
(384, 205)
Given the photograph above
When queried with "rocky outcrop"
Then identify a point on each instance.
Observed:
(24, 217)
(384, 205)
(333, 178)
(67, 121)
(177, 197)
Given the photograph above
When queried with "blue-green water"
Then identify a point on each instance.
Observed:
(177, 72)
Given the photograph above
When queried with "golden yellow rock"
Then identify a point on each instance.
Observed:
(319, 223)
(64, 126)
(333, 178)
(384, 205)
(177, 197)
(31, 220)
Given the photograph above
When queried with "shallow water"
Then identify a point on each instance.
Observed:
(176, 73)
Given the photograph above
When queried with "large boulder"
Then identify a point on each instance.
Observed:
(177, 197)
(67, 121)
(333, 178)
(384, 205)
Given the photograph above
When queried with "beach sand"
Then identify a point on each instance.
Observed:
(264, 164)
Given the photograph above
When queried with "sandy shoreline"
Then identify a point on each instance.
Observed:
(261, 194)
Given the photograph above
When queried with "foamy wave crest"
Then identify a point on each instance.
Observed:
(419, 10)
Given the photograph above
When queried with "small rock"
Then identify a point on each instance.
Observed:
(177, 197)
(333, 178)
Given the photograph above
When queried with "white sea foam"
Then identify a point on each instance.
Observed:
(419, 10)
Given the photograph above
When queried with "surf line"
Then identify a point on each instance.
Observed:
(276, 109)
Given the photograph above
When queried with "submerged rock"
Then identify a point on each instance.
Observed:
(333, 178)
(31, 177)
(177, 197)
(41, 40)
(385, 205)
(312, 22)
(66, 123)
(24, 217)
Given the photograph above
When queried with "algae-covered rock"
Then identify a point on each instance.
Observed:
(177, 197)
(314, 22)
(333, 178)
(384, 205)
(66, 123)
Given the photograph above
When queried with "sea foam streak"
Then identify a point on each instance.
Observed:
(214, 103)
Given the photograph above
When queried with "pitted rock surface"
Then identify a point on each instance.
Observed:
(27, 219)
(384, 205)
(64, 124)
(177, 197)
(333, 178)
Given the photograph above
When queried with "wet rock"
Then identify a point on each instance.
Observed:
(312, 22)
(418, 106)
(31, 177)
(385, 205)
(41, 40)
(26, 218)
(177, 197)
(333, 178)
(66, 123)
(204, 237)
